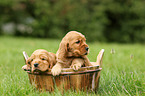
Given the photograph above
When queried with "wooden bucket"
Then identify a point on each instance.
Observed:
(85, 79)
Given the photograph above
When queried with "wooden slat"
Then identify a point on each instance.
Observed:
(49, 83)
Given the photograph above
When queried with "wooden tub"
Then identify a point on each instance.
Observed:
(85, 79)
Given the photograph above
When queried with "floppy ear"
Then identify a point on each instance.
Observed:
(51, 60)
(28, 61)
(67, 48)
(63, 49)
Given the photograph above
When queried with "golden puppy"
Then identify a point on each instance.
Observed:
(41, 61)
(71, 53)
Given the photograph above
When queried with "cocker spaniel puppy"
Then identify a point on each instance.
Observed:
(71, 53)
(40, 61)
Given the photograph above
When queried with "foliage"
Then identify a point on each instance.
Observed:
(125, 20)
(99, 20)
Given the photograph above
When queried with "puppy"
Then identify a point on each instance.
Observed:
(40, 61)
(71, 53)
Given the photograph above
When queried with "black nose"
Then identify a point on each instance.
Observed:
(87, 48)
(36, 65)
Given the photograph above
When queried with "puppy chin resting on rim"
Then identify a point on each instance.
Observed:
(40, 61)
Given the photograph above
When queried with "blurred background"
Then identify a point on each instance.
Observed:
(120, 21)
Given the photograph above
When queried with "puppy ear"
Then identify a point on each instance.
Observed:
(28, 61)
(67, 48)
(28, 64)
(63, 49)
(52, 60)
(48, 59)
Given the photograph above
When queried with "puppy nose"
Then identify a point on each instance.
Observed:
(87, 48)
(36, 65)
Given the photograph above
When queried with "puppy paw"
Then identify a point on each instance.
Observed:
(25, 67)
(56, 70)
(75, 67)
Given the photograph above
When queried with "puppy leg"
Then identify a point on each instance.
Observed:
(25, 67)
(56, 70)
(77, 63)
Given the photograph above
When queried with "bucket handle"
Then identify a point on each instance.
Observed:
(25, 56)
(100, 58)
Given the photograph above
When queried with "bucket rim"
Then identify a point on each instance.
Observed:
(70, 71)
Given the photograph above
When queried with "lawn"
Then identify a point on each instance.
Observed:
(123, 72)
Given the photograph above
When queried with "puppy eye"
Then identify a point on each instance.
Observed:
(31, 59)
(78, 42)
(43, 59)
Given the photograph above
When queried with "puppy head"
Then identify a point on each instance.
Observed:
(39, 61)
(74, 44)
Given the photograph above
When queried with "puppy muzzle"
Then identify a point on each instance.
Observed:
(87, 48)
(36, 65)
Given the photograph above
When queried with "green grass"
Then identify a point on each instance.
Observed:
(121, 75)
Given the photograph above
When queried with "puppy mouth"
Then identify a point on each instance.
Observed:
(86, 53)
(77, 55)
(36, 70)
(39, 70)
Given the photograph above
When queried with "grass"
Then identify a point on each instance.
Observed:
(123, 72)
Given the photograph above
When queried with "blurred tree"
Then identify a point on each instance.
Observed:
(99, 20)
(126, 20)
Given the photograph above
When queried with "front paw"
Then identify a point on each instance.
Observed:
(75, 67)
(25, 68)
(56, 70)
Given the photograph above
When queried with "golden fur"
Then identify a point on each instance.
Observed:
(41, 61)
(71, 53)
